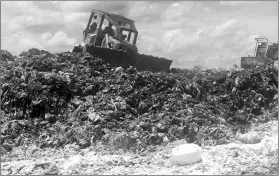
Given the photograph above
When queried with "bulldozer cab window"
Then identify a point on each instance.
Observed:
(261, 50)
(105, 24)
(95, 23)
(132, 37)
(125, 25)
(125, 36)
(115, 30)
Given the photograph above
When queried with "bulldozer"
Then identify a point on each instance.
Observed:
(266, 53)
(113, 38)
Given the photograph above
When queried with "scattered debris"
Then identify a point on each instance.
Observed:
(228, 159)
(251, 137)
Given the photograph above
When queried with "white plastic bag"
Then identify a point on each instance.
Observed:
(186, 154)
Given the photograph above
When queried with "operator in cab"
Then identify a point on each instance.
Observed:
(112, 38)
(108, 30)
(93, 28)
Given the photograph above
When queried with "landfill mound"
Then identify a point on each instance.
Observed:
(57, 99)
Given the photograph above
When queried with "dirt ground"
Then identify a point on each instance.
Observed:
(229, 159)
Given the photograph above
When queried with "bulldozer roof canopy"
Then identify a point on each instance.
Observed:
(115, 19)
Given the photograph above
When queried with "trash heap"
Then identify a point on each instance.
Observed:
(57, 99)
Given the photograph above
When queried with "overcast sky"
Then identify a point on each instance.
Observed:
(207, 33)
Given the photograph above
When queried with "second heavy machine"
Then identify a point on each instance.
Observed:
(266, 53)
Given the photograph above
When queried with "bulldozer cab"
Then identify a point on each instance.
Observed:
(266, 49)
(124, 28)
(261, 47)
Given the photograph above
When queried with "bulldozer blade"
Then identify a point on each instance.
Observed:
(126, 59)
(113, 57)
(148, 62)
(251, 62)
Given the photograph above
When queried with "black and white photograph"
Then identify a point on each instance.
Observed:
(139, 87)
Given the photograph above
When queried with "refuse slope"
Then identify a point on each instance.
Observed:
(57, 99)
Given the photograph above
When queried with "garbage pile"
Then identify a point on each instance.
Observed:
(57, 99)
